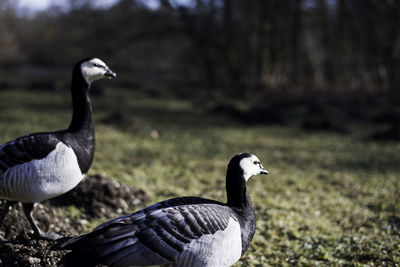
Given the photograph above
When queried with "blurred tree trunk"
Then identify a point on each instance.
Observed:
(381, 45)
(296, 33)
(10, 51)
(232, 48)
(391, 51)
(198, 28)
(260, 45)
(165, 4)
(328, 44)
(342, 22)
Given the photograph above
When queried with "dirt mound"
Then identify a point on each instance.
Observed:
(22, 252)
(22, 249)
(97, 195)
(102, 197)
(49, 219)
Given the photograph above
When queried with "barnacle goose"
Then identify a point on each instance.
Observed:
(40, 166)
(184, 231)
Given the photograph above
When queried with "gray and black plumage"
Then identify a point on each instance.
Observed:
(40, 166)
(185, 231)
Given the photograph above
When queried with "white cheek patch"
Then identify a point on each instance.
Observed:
(91, 73)
(249, 168)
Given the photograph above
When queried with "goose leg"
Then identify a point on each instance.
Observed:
(28, 209)
(7, 206)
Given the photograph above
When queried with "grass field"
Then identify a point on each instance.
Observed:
(331, 199)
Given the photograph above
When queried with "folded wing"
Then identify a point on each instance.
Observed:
(156, 235)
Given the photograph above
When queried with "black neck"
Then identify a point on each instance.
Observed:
(239, 201)
(236, 189)
(82, 106)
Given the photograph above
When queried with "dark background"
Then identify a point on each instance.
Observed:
(229, 46)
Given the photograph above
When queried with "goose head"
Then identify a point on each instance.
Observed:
(250, 165)
(95, 69)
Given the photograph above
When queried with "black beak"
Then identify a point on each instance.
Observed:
(263, 171)
(110, 74)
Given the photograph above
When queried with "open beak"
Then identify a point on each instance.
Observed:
(263, 171)
(110, 74)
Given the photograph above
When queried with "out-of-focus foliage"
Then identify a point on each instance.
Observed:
(225, 44)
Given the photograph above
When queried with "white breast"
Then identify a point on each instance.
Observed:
(42, 179)
(222, 249)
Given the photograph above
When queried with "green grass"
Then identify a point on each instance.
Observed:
(330, 199)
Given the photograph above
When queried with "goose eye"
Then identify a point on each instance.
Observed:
(255, 162)
(97, 65)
